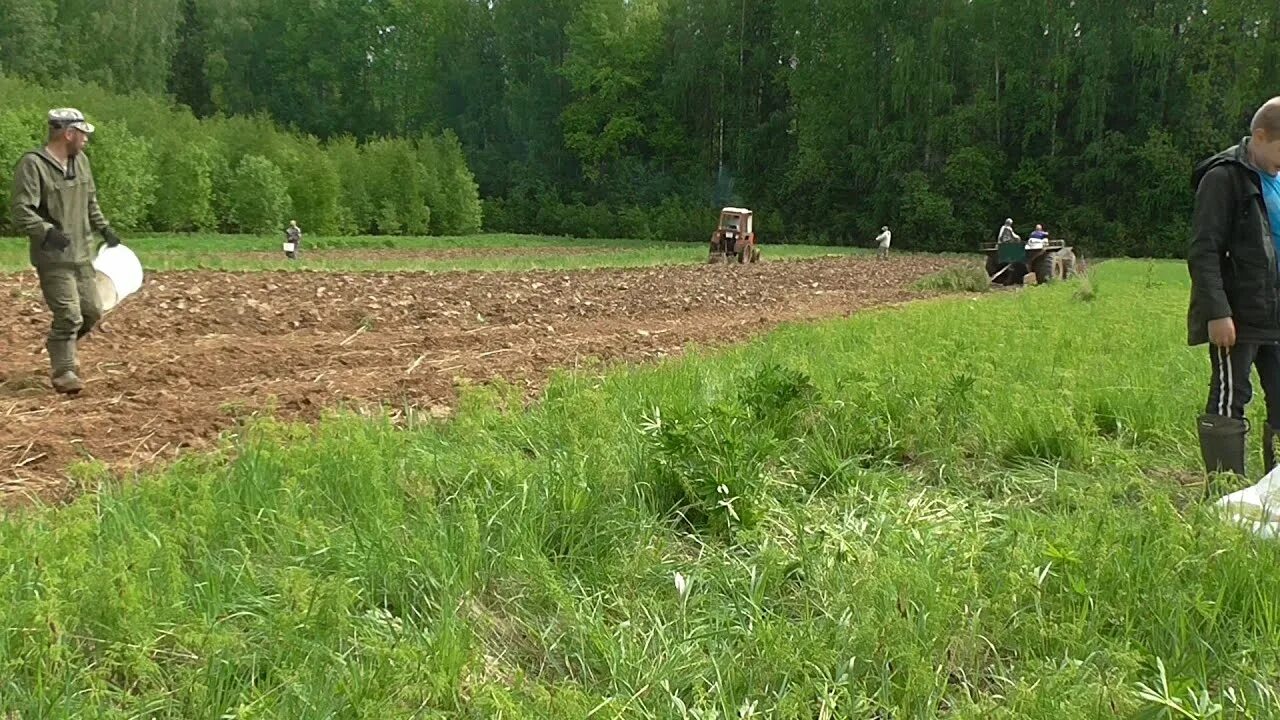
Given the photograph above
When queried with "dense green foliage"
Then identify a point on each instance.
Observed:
(938, 117)
(159, 168)
(805, 528)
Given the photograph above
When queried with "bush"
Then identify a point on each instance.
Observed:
(675, 220)
(459, 211)
(159, 168)
(429, 169)
(314, 189)
(259, 199)
(222, 174)
(124, 169)
(393, 176)
(16, 137)
(184, 196)
(927, 218)
(355, 212)
(498, 215)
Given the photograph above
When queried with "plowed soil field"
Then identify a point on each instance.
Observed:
(426, 255)
(191, 352)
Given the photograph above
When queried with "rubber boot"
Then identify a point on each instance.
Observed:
(62, 361)
(68, 383)
(1222, 443)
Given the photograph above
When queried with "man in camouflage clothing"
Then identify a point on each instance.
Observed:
(293, 236)
(55, 205)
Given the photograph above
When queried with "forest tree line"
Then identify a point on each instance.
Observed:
(639, 117)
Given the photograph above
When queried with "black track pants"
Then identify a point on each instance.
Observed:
(1230, 386)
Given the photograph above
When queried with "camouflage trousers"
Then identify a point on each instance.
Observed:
(71, 293)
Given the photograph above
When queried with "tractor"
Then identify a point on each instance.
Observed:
(734, 237)
(1009, 263)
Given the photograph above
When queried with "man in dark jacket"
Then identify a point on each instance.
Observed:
(1235, 288)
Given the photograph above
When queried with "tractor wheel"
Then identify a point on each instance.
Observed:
(1042, 266)
(993, 267)
(1012, 272)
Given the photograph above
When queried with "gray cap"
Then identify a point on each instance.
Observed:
(69, 117)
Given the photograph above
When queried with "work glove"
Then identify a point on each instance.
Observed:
(110, 236)
(54, 239)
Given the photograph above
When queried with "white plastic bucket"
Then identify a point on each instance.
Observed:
(119, 275)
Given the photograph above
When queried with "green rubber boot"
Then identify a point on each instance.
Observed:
(62, 362)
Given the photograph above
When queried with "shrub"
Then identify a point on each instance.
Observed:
(184, 195)
(17, 135)
(124, 169)
(259, 198)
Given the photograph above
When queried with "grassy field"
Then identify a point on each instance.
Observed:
(502, 252)
(961, 509)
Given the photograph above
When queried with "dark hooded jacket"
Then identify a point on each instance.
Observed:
(1232, 259)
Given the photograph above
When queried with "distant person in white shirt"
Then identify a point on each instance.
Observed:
(883, 240)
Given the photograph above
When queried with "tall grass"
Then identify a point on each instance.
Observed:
(963, 509)
(968, 278)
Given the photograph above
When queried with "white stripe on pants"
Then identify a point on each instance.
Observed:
(1230, 385)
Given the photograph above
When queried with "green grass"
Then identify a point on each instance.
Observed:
(227, 252)
(961, 509)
